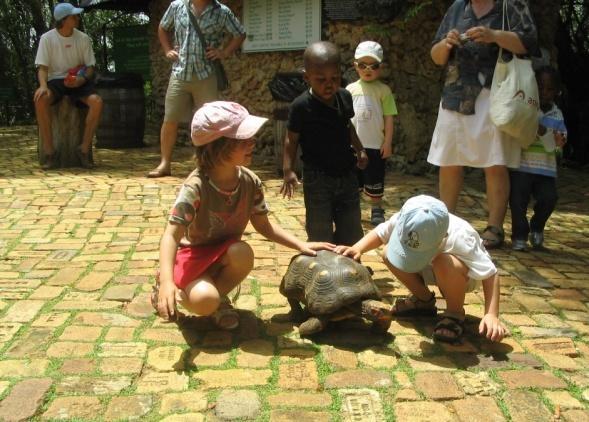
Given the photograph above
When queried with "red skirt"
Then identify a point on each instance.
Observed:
(193, 261)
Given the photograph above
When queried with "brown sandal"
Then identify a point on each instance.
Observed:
(452, 322)
(225, 317)
(412, 306)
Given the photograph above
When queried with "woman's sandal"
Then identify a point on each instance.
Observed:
(452, 322)
(493, 242)
(225, 317)
(411, 306)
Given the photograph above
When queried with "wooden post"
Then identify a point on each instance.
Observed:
(67, 127)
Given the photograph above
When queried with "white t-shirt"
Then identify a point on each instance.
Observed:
(372, 101)
(462, 241)
(61, 53)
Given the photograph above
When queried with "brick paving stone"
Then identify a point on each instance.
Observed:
(247, 302)
(358, 378)
(23, 311)
(575, 415)
(536, 332)
(78, 366)
(438, 386)
(94, 386)
(8, 330)
(24, 399)
(209, 357)
(378, 357)
(185, 417)
(297, 354)
(3, 386)
(476, 383)
(153, 382)
(140, 306)
(105, 319)
(562, 346)
(478, 409)
(299, 399)
(432, 363)
(189, 401)
(550, 321)
(534, 303)
(563, 399)
(517, 319)
(232, 377)
(23, 368)
(526, 406)
(51, 319)
(407, 394)
(298, 376)
(526, 378)
(87, 305)
(217, 339)
(237, 404)
(31, 344)
(65, 276)
(119, 334)
(46, 292)
(124, 293)
(255, 354)
(414, 345)
(165, 359)
(123, 365)
(67, 349)
(94, 281)
(361, 405)
(423, 411)
(576, 316)
(163, 336)
(340, 358)
(80, 407)
(129, 349)
(128, 408)
(80, 333)
(298, 416)
(557, 361)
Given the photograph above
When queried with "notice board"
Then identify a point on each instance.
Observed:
(278, 25)
(131, 50)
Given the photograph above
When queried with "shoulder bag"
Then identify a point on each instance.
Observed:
(514, 96)
(221, 76)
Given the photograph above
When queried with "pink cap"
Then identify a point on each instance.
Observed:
(223, 118)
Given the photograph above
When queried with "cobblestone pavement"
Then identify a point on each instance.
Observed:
(79, 341)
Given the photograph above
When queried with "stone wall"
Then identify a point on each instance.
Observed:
(414, 79)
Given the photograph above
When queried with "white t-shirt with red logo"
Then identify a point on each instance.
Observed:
(61, 53)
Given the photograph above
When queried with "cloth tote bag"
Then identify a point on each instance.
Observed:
(514, 97)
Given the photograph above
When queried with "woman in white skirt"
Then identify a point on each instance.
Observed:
(467, 43)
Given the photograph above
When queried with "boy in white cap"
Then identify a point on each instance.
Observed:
(374, 108)
(202, 256)
(428, 245)
(66, 51)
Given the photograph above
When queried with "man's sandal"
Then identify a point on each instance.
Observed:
(411, 306)
(450, 321)
(495, 241)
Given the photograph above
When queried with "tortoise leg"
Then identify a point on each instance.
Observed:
(379, 313)
(296, 314)
(313, 325)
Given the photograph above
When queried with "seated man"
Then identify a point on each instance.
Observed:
(65, 62)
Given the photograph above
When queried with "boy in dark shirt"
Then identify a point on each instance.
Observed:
(319, 120)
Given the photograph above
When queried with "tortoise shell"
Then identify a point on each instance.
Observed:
(327, 282)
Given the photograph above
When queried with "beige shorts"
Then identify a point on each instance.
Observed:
(183, 98)
(430, 279)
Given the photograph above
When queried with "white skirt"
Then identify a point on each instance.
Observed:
(471, 140)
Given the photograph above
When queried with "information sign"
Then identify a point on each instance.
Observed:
(131, 50)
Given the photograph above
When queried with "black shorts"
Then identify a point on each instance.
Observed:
(59, 90)
(371, 179)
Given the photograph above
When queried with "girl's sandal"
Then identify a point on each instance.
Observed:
(495, 241)
(225, 317)
(412, 307)
(452, 322)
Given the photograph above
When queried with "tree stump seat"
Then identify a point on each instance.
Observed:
(67, 127)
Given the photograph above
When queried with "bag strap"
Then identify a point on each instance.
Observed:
(194, 23)
(504, 17)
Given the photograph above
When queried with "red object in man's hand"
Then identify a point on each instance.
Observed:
(74, 72)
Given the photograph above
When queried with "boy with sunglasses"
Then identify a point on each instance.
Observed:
(374, 108)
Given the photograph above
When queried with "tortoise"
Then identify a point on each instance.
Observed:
(332, 287)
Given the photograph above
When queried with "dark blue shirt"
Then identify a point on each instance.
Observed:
(471, 66)
(324, 131)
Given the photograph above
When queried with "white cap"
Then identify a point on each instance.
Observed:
(421, 226)
(369, 49)
(63, 10)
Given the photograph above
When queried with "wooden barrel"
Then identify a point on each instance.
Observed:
(280, 133)
(122, 124)
(67, 127)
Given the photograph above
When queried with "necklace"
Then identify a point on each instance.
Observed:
(227, 195)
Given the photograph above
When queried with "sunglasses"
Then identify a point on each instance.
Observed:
(364, 66)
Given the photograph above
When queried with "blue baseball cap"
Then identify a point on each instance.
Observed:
(63, 10)
(421, 226)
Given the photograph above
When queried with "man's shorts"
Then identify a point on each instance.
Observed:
(371, 179)
(183, 98)
(59, 90)
(193, 261)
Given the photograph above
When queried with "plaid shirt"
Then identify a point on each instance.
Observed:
(213, 21)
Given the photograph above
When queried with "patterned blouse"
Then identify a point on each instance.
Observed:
(471, 66)
(213, 21)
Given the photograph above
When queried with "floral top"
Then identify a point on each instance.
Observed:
(470, 67)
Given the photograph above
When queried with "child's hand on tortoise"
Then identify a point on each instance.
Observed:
(349, 251)
(310, 248)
